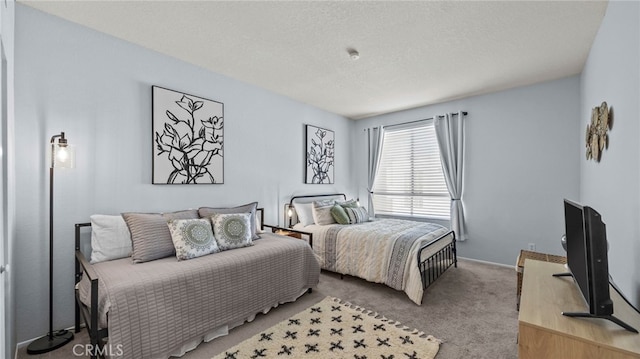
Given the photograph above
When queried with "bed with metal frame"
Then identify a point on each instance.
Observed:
(90, 316)
(430, 264)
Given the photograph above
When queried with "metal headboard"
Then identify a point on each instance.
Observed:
(289, 212)
(317, 195)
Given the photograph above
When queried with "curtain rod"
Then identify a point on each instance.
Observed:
(464, 113)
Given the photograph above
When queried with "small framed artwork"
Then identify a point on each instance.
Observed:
(319, 152)
(188, 138)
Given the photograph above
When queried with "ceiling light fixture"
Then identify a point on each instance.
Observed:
(354, 54)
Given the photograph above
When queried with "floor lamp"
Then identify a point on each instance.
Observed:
(62, 156)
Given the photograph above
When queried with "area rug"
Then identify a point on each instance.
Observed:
(333, 328)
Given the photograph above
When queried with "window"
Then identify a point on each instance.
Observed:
(410, 181)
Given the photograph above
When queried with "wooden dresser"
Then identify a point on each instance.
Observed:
(545, 333)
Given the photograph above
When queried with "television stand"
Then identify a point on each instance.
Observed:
(607, 317)
(589, 315)
(543, 332)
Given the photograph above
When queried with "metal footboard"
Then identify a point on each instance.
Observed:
(437, 263)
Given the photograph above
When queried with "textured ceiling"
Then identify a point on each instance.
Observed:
(411, 53)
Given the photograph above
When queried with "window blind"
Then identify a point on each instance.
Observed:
(410, 181)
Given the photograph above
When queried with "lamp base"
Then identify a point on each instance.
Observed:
(47, 344)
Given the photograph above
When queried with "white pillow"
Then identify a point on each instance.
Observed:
(110, 238)
(304, 211)
(322, 212)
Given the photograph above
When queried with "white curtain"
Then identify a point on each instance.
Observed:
(375, 138)
(450, 135)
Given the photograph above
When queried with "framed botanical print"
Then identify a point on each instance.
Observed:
(319, 152)
(188, 138)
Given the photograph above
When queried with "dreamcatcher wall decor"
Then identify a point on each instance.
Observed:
(597, 138)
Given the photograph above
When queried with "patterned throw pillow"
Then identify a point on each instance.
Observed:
(192, 238)
(357, 215)
(322, 212)
(339, 214)
(232, 230)
(207, 212)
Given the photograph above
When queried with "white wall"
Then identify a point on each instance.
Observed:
(98, 90)
(612, 186)
(520, 162)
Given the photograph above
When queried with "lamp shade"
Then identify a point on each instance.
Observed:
(63, 155)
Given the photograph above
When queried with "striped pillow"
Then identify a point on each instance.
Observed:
(357, 215)
(150, 235)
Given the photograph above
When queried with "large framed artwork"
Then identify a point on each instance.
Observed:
(188, 138)
(320, 144)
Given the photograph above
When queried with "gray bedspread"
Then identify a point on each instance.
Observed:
(155, 307)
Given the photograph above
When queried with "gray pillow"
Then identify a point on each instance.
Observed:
(150, 235)
(208, 212)
(352, 203)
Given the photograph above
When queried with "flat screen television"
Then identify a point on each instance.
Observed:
(586, 240)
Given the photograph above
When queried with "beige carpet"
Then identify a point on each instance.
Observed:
(336, 329)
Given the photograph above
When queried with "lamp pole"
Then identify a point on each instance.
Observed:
(52, 341)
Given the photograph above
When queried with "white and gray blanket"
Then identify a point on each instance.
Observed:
(380, 251)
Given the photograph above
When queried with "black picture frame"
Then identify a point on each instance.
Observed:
(187, 138)
(319, 155)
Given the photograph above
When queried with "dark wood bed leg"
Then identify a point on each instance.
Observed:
(310, 290)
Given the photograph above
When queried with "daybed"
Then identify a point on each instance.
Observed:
(165, 307)
(404, 255)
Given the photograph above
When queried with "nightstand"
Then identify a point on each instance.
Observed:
(293, 233)
(284, 232)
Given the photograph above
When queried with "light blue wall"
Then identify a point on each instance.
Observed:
(520, 162)
(612, 186)
(523, 151)
(98, 90)
(7, 13)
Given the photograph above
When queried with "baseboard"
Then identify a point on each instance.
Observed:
(487, 262)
